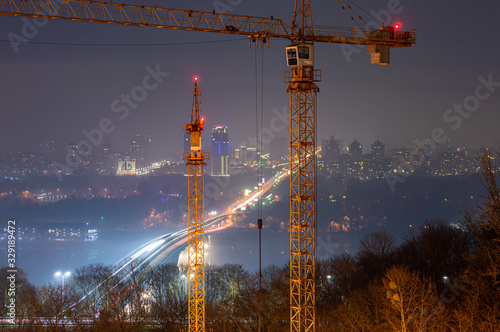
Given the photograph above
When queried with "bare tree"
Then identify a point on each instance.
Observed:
(21, 286)
(410, 301)
(363, 311)
(480, 300)
(484, 221)
(114, 303)
(93, 284)
(135, 298)
(438, 251)
(271, 304)
(336, 280)
(222, 286)
(375, 254)
(50, 307)
(169, 304)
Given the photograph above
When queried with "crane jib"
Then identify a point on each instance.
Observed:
(168, 18)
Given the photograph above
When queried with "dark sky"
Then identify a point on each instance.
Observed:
(59, 91)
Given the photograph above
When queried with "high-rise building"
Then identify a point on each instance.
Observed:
(48, 147)
(356, 151)
(375, 163)
(102, 158)
(245, 155)
(400, 161)
(220, 149)
(378, 150)
(330, 152)
(107, 149)
(73, 155)
(354, 161)
(140, 149)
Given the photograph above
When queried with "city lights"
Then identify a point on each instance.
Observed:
(309, 191)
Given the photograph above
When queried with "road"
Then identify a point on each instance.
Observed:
(163, 248)
(167, 247)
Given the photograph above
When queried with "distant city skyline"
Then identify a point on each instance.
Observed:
(122, 145)
(338, 157)
(132, 146)
(60, 91)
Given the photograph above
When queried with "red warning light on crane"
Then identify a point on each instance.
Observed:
(397, 26)
(196, 78)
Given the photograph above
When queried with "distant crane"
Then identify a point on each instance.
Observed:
(196, 162)
(302, 88)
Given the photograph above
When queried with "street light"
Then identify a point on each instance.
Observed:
(62, 275)
(186, 280)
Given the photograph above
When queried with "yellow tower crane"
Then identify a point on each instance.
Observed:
(301, 79)
(196, 162)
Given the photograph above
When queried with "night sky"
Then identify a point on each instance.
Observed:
(57, 91)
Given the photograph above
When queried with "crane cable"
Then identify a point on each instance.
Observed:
(354, 13)
(259, 127)
(128, 45)
(344, 1)
(352, 18)
(376, 18)
(261, 162)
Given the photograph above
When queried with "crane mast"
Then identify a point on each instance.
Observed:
(196, 162)
(301, 78)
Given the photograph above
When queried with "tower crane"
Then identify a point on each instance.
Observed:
(196, 162)
(301, 79)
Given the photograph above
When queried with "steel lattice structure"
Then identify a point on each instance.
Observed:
(196, 162)
(302, 197)
(302, 176)
(196, 245)
(193, 20)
